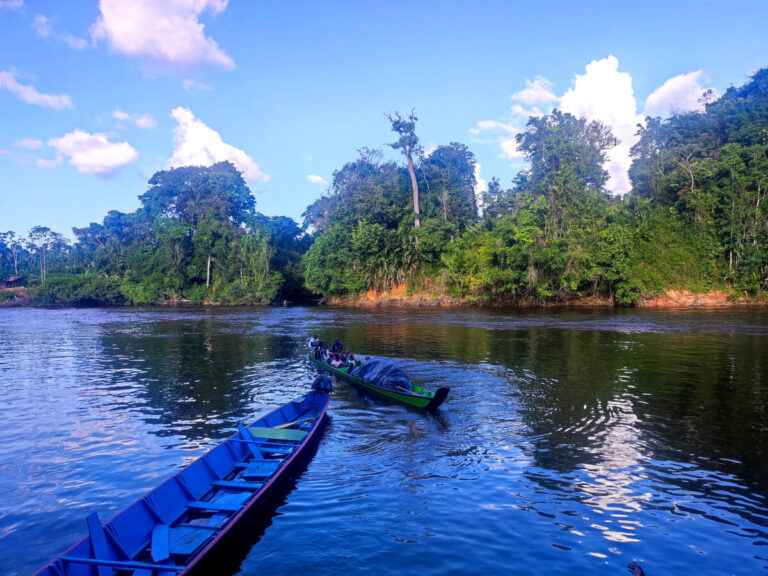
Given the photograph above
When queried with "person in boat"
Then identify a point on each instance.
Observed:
(337, 346)
(313, 342)
(318, 353)
(336, 362)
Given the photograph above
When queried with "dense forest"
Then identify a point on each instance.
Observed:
(696, 219)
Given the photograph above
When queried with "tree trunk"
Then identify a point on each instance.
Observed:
(16, 262)
(208, 272)
(415, 185)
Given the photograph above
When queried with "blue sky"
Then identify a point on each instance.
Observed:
(95, 98)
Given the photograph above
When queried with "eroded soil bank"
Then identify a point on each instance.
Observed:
(398, 297)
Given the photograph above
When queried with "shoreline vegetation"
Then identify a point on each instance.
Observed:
(691, 233)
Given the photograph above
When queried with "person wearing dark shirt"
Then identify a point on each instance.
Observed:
(337, 347)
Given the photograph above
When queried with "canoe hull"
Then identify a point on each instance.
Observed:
(228, 552)
(424, 400)
(126, 537)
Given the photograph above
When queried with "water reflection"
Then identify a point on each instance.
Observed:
(571, 441)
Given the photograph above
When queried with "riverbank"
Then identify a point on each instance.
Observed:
(399, 297)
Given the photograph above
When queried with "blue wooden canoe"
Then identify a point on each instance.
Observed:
(170, 530)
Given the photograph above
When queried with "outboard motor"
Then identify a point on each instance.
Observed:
(322, 384)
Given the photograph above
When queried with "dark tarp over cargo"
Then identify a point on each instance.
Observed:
(384, 374)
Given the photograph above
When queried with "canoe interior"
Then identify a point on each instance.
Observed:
(170, 529)
(421, 397)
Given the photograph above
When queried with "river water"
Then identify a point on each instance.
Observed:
(571, 441)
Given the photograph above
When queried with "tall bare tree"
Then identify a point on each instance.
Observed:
(408, 143)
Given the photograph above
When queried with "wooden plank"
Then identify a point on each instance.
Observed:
(98, 542)
(198, 505)
(245, 435)
(184, 540)
(235, 484)
(277, 433)
(260, 469)
(123, 565)
(160, 550)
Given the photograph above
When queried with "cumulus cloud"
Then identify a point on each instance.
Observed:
(93, 153)
(605, 94)
(165, 31)
(601, 93)
(145, 121)
(503, 132)
(28, 143)
(315, 179)
(30, 95)
(678, 94)
(537, 92)
(43, 27)
(197, 144)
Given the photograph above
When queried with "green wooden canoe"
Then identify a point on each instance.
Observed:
(419, 398)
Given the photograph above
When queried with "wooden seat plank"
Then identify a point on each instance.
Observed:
(98, 543)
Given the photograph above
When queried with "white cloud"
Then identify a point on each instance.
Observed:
(43, 27)
(481, 187)
(93, 153)
(537, 92)
(485, 125)
(74, 42)
(315, 179)
(145, 121)
(188, 85)
(605, 94)
(678, 94)
(9, 4)
(601, 93)
(30, 95)
(165, 31)
(43, 163)
(509, 149)
(197, 144)
(28, 143)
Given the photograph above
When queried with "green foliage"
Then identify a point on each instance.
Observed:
(196, 237)
(329, 265)
(696, 219)
(80, 291)
(7, 296)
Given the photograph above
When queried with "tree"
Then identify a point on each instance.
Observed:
(408, 144)
(43, 240)
(14, 243)
(449, 177)
(566, 156)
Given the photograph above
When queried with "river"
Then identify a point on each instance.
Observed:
(571, 442)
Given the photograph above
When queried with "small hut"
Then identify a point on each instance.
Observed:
(11, 282)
